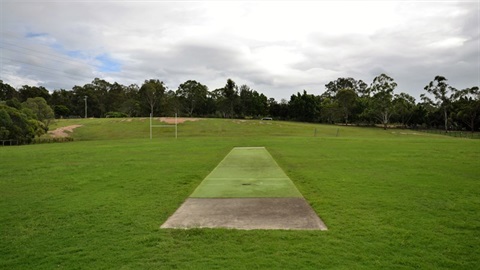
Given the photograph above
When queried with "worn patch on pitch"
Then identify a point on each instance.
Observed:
(246, 214)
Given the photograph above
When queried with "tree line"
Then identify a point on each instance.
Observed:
(26, 112)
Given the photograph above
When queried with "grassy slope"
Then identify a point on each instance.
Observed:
(389, 200)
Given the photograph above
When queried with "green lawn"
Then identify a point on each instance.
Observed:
(391, 199)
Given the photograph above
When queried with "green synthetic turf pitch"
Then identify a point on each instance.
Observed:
(247, 172)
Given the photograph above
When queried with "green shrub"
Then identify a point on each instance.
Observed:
(115, 115)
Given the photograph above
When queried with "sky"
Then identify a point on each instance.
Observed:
(278, 48)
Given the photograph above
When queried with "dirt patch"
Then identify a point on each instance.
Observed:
(246, 214)
(171, 120)
(61, 132)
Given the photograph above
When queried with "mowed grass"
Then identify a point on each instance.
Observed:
(391, 199)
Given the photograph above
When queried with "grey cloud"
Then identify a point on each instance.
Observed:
(159, 40)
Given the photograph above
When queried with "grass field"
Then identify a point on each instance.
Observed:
(391, 199)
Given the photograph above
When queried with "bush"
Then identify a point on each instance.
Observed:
(18, 126)
(52, 140)
(115, 115)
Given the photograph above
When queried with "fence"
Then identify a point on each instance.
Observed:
(459, 134)
(9, 142)
(36, 141)
(52, 140)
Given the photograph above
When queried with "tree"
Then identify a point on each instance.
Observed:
(469, 106)
(101, 90)
(259, 104)
(26, 92)
(7, 92)
(116, 96)
(404, 107)
(14, 103)
(278, 110)
(62, 98)
(382, 89)
(152, 92)
(17, 125)
(132, 104)
(61, 111)
(5, 124)
(230, 92)
(343, 83)
(346, 98)
(94, 101)
(419, 114)
(78, 101)
(193, 96)
(227, 98)
(304, 107)
(41, 110)
(246, 101)
(252, 103)
(443, 95)
(171, 102)
(329, 109)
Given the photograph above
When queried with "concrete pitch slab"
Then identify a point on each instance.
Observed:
(246, 214)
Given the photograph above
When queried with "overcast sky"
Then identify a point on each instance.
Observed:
(276, 47)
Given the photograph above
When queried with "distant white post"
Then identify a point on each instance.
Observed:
(164, 126)
(151, 125)
(86, 107)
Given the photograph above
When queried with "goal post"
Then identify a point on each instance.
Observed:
(163, 126)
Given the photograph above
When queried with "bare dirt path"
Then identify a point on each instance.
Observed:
(171, 120)
(61, 132)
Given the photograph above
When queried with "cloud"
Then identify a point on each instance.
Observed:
(277, 48)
